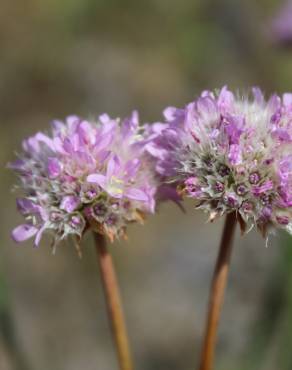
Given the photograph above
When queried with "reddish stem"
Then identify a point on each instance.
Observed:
(114, 306)
(217, 293)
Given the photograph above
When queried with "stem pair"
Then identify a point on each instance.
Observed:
(215, 302)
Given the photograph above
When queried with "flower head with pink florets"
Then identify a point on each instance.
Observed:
(231, 153)
(84, 175)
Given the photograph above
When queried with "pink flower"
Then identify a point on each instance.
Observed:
(231, 153)
(84, 175)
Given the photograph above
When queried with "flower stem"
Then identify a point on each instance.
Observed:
(113, 301)
(217, 293)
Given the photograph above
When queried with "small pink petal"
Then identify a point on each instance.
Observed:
(97, 179)
(136, 194)
(169, 113)
(70, 203)
(39, 236)
(23, 232)
(112, 167)
(54, 167)
(287, 100)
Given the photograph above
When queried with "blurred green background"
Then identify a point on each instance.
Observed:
(93, 56)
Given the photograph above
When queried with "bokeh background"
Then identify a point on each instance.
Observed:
(93, 56)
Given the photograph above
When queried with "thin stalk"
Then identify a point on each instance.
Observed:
(217, 293)
(113, 301)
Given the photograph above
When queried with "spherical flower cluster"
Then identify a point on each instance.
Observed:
(84, 175)
(231, 153)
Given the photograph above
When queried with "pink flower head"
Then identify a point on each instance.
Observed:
(231, 153)
(84, 175)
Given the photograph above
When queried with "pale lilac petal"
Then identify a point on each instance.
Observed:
(274, 103)
(70, 203)
(103, 142)
(136, 194)
(39, 235)
(23, 232)
(131, 167)
(225, 99)
(207, 93)
(258, 95)
(58, 126)
(17, 165)
(156, 151)
(54, 167)
(235, 154)
(113, 167)
(206, 105)
(100, 180)
(86, 133)
(104, 118)
(115, 193)
(31, 145)
(174, 115)
(59, 145)
(75, 142)
(130, 125)
(287, 100)
(102, 156)
(73, 122)
(158, 127)
(26, 206)
(169, 113)
(67, 145)
(40, 137)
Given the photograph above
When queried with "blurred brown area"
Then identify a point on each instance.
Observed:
(94, 56)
